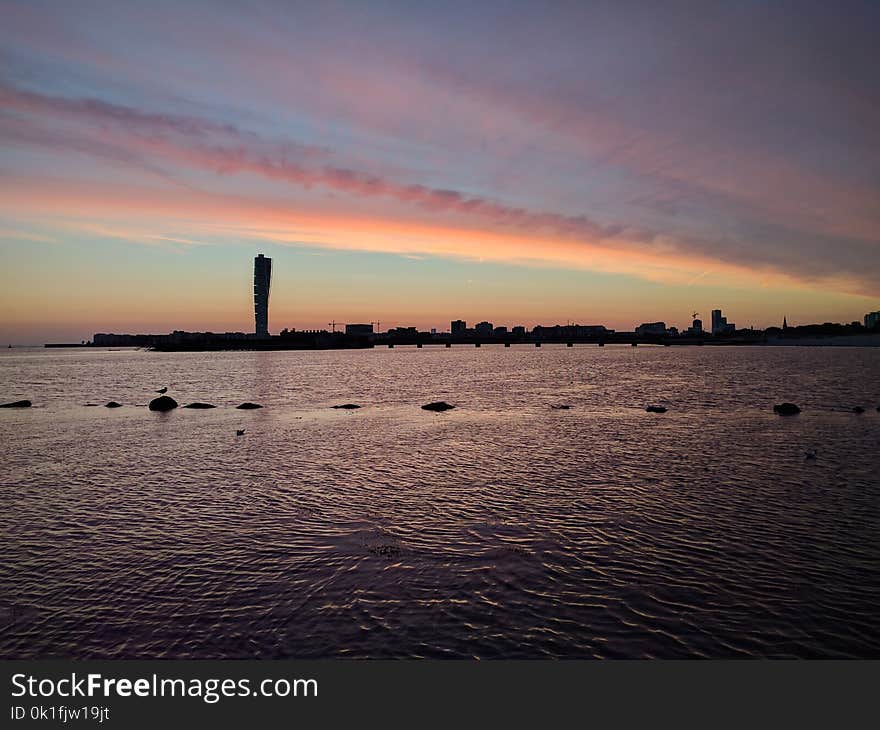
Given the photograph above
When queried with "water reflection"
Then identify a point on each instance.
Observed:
(502, 528)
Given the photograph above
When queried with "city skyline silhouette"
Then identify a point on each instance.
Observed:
(720, 331)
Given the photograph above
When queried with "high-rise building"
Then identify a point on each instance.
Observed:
(262, 283)
(872, 319)
(458, 327)
(720, 325)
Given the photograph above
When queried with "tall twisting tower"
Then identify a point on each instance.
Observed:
(262, 282)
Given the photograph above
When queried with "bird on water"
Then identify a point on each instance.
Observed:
(162, 390)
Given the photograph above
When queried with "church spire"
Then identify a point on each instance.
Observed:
(784, 323)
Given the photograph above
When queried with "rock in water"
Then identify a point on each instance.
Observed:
(562, 407)
(163, 403)
(113, 404)
(347, 406)
(858, 409)
(17, 404)
(248, 406)
(655, 409)
(200, 406)
(786, 409)
(437, 406)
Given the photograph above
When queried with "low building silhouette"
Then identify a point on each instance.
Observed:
(570, 332)
(651, 328)
(359, 329)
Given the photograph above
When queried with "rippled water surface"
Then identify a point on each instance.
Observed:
(503, 528)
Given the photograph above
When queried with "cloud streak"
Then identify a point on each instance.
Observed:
(134, 212)
(199, 143)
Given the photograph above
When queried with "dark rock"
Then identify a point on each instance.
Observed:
(113, 404)
(385, 550)
(347, 406)
(239, 432)
(858, 409)
(17, 404)
(200, 406)
(562, 407)
(437, 406)
(786, 409)
(248, 406)
(655, 409)
(163, 403)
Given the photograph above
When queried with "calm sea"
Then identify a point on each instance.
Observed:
(503, 528)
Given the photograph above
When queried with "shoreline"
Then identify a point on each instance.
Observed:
(343, 342)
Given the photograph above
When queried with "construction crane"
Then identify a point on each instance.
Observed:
(377, 323)
(695, 315)
(332, 325)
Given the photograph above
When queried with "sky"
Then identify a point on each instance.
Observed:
(413, 163)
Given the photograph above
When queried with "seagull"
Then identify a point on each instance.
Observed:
(162, 390)
(239, 432)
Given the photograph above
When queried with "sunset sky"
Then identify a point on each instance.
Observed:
(527, 163)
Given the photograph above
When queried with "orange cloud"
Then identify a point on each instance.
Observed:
(160, 217)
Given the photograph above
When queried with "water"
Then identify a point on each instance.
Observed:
(503, 528)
